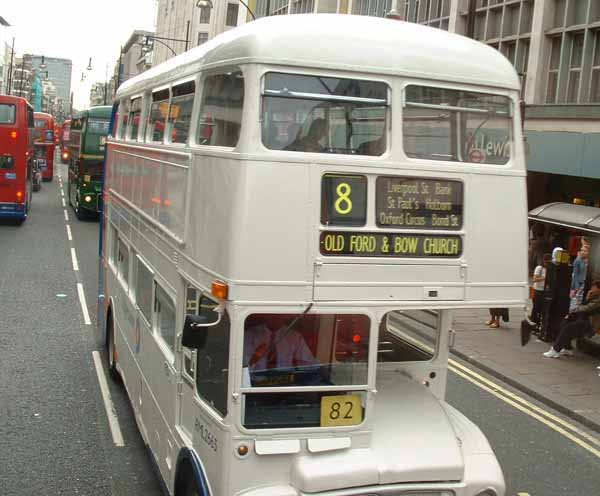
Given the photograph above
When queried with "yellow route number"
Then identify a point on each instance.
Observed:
(341, 410)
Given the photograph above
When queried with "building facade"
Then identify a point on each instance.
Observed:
(5, 55)
(190, 26)
(58, 72)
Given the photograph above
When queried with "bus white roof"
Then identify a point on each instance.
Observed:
(342, 42)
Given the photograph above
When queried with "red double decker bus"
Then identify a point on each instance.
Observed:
(65, 136)
(44, 144)
(16, 157)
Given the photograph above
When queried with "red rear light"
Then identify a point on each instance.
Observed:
(19, 196)
(13, 134)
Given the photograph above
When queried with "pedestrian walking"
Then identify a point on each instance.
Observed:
(495, 315)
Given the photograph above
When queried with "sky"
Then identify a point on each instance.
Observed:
(77, 30)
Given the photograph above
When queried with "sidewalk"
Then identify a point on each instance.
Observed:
(568, 384)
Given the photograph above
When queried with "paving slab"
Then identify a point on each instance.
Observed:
(569, 384)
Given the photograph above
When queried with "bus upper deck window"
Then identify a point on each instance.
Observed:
(180, 113)
(324, 114)
(158, 115)
(8, 113)
(134, 114)
(457, 126)
(220, 119)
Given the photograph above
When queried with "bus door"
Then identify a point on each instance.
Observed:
(202, 400)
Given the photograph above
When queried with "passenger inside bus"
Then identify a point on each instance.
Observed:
(310, 142)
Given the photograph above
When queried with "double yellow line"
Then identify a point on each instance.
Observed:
(564, 428)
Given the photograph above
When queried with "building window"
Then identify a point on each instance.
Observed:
(204, 15)
(434, 13)
(575, 61)
(371, 7)
(232, 14)
(202, 38)
(595, 90)
(302, 7)
(553, 69)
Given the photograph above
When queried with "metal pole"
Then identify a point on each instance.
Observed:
(10, 74)
(119, 70)
(187, 35)
(22, 71)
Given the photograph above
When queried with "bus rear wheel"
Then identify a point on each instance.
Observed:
(111, 355)
(189, 488)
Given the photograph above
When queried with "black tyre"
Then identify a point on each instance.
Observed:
(111, 356)
(190, 488)
(79, 212)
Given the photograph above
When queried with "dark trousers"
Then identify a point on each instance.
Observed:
(538, 302)
(569, 331)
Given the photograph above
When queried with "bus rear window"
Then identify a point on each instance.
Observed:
(305, 350)
(8, 113)
(457, 126)
(324, 114)
(96, 126)
(7, 162)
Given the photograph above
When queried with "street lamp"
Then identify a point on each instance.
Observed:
(209, 5)
(89, 67)
(43, 63)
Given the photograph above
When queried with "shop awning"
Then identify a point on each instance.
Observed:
(568, 215)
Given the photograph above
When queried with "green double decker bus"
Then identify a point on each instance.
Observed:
(89, 129)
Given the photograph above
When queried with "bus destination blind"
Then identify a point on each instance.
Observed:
(419, 203)
(362, 244)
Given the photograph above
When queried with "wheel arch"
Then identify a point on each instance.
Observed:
(189, 465)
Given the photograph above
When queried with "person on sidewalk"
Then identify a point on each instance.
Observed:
(495, 314)
(580, 266)
(539, 278)
(582, 322)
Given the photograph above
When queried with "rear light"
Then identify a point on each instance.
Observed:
(13, 134)
(19, 196)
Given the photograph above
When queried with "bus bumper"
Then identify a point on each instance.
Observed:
(12, 211)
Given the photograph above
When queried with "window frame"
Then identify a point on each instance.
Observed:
(199, 101)
(148, 131)
(466, 88)
(148, 319)
(168, 350)
(167, 138)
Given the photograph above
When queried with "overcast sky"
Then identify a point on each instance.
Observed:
(77, 30)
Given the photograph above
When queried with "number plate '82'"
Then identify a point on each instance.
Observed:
(341, 410)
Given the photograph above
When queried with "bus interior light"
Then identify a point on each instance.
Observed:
(220, 290)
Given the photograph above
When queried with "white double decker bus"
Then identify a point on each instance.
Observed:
(285, 206)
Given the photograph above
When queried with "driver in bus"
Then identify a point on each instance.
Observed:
(271, 344)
